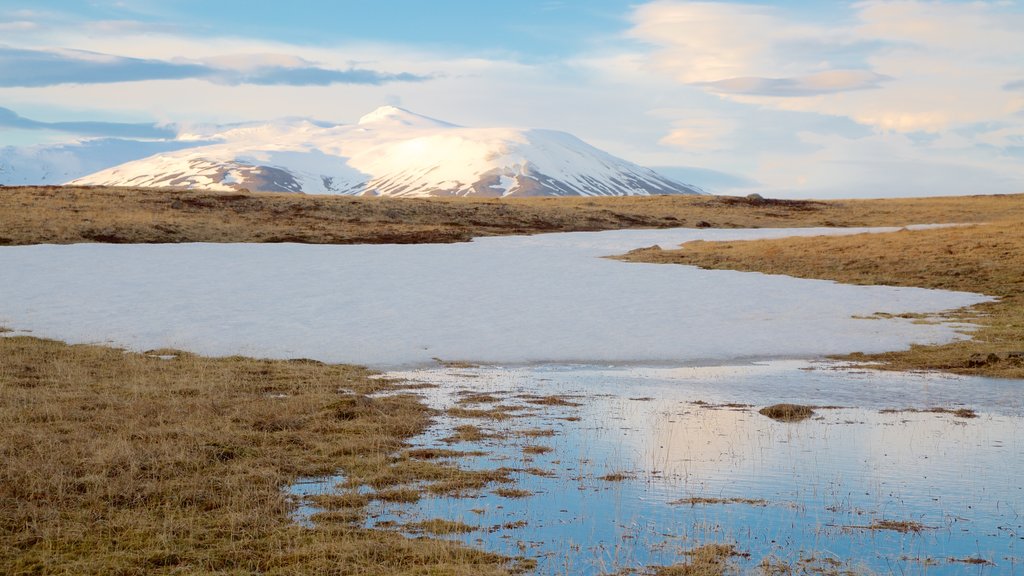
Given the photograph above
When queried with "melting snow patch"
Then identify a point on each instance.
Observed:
(545, 298)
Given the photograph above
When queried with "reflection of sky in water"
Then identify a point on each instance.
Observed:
(848, 467)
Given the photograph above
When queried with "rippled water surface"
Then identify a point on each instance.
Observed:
(632, 464)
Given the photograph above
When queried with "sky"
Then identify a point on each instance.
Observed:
(789, 99)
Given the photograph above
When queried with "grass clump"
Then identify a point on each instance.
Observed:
(902, 526)
(495, 413)
(399, 495)
(707, 560)
(787, 412)
(512, 493)
(479, 399)
(467, 433)
(537, 433)
(548, 400)
(958, 412)
(122, 463)
(697, 501)
(441, 527)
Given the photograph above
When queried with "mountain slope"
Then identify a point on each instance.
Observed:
(393, 152)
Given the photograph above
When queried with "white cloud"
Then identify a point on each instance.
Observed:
(700, 133)
(930, 65)
(18, 25)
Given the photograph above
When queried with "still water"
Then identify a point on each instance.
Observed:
(647, 463)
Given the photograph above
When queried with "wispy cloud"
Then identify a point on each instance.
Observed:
(36, 68)
(11, 119)
(18, 26)
(904, 66)
(830, 82)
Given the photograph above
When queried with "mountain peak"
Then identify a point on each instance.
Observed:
(395, 116)
(392, 152)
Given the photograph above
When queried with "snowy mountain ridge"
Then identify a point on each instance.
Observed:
(391, 152)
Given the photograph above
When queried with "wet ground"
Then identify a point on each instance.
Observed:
(647, 463)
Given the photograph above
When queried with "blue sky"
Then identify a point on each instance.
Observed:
(795, 99)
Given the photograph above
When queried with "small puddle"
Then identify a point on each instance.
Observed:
(623, 468)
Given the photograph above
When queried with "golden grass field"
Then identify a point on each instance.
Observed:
(63, 215)
(126, 463)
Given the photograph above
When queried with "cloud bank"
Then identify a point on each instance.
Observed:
(21, 67)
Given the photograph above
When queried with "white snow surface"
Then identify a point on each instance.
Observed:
(545, 298)
(392, 152)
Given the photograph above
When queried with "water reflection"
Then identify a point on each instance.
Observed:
(652, 463)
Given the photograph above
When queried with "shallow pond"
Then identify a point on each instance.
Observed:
(647, 463)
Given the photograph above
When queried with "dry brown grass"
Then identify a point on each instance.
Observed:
(63, 215)
(441, 526)
(707, 560)
(958, 412)
(122, 463)
(513, 493)
(988, 259)
(467, 433)
(787, 412)
(904, 526)
(548, 400)
(699, 501)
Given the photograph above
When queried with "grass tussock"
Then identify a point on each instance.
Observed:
(399, 495)
(787, 412)
(810, 566)
(553, 400)
(478, 399)
(513, 493)
(958, 412)
(65, 215)
(707, 560)
(987, 259)
(500, 412)
(537, 433)
(617, 477)
(902, 526)
(698, 501)
(468, 433)
(123, 463)
(441, 527)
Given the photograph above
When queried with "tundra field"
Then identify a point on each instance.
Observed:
(169, 463)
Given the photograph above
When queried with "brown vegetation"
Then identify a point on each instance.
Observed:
(124, 463)
(64, 215)
(707, 560)
(513, 493)
(704, 501)
(904, 526)
(617, 476)
(958, 412)
(787, 412)
(986, 258)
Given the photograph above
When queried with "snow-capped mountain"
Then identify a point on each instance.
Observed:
(392, 152)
